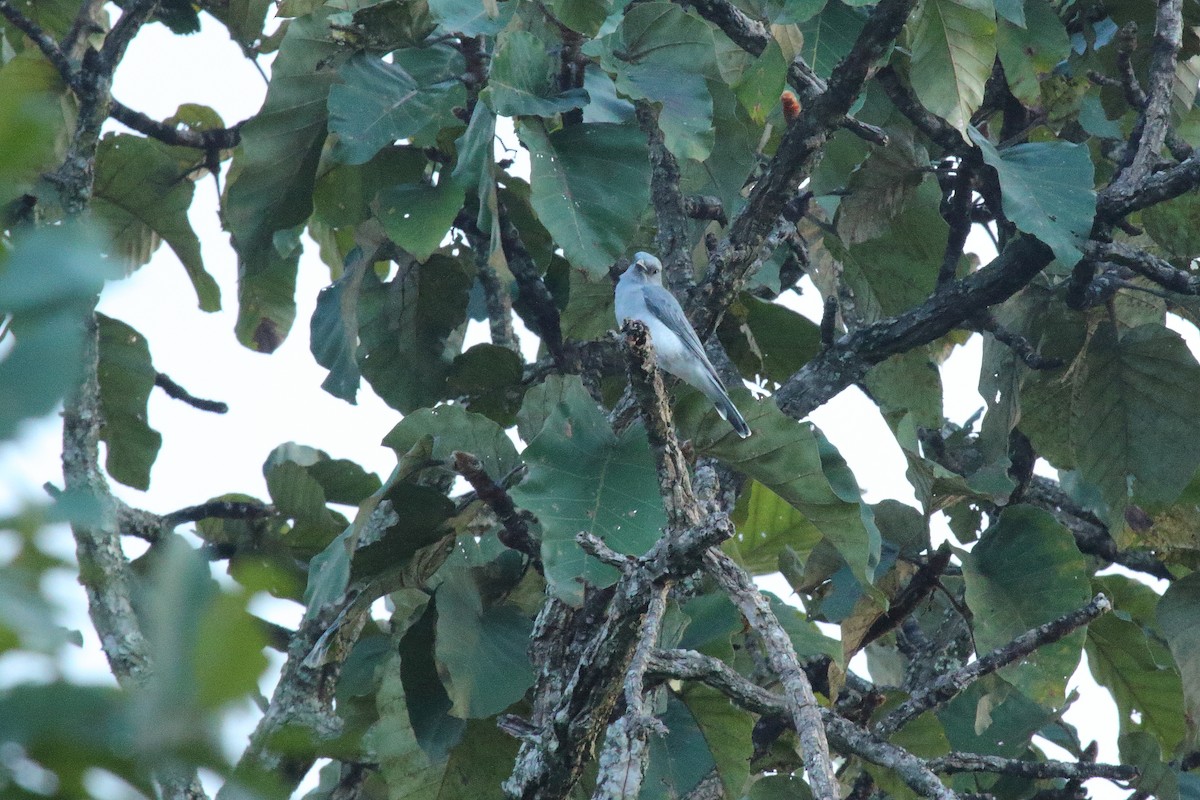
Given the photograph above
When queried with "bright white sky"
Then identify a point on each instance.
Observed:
(275, 399)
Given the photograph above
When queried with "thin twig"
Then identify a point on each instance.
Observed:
(177, 392)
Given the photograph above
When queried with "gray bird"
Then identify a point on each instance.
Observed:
(641, 296)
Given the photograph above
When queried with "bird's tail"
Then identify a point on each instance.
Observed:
(729, 413)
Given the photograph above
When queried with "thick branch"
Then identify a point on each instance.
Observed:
(516, 526)
(949, 685)
(671, 238)
(1156, 269)
(802, 704)
(747, 33)
(1080, 771)
(848, 359)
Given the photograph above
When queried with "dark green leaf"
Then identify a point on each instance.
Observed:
(1177, 616)
(679, 760)
(126, 377)
(406, 330)
(35, 118)
(333, 331)
(590, 186)
(272, 178)
(417, 216)
(767, 339)
(379, 102)
(1175, 225)
(829, 35)
(1030, 50)
(454, 428)
(1024, 571)
(523, 80)
(490, 377)
(583, 477)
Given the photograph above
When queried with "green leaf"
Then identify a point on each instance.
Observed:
(1048, 191)
(406, 330)
(418, 216)
(489, 376)
(795, 11)
(583, 16)
(481, 647)
(299, 496)
(895, 272)
(1177, 616)
(271, 180)
(583, 477)
(1030, 51)
(785, 456)
(881, 189)
(244, 19)
(1013, 11)
(453, 428)
(767, 339)
(1114, 436)
(679, 760)
(523, 80)
(661, 53)
(953, 44)
(1120, 660)
(26, 616)
(727, 731)
(1175, 224)
(591, 184)
(1025, 571)
(35, 120)
(766, 524)
(48, 283)
(761, 84)
(426, 703)
(333, 331)
(992, 717)
(909, 383)
(379, 102)
(723, 173)
(472, 17)
(829, 35)
(126, 377)
(1157, 779)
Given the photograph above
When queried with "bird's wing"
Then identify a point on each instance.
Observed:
(663, 305)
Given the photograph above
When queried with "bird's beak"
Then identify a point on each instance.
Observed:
(640, 266)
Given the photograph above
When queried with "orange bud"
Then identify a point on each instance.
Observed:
(791, 106)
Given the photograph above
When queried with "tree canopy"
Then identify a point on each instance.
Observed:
(566, 546)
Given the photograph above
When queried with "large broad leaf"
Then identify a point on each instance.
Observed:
(583, 477)
(271, 180)
(953, 44)
(881, 188)
(1030, 49)
(1136, 414)
(1119, 658)
(1175, 225)
(126, 377)
(723, 173)
(829, 35)
(405, 328)
(243, 18)
(1179, 618)
(454, 428)
(584, 16)
(661, 53)
(143, 195)
(48, 283)
(523, 79)
(488, 377)
(378, 103)
(472, 17)
(35, 120)
(1026, 571)
(1048, 191)
(786, 457)
(481, 646)
(591, 184)
(991, 717)
(417, 216)
(898, 270)
(680, 759)
(333, 331)
(766, 338)
(765, 525)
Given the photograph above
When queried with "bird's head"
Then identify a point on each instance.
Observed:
(647, 267)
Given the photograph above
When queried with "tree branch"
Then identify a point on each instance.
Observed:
(1156, 269)
(747, 33)
(949, 685)
(177, 392)
(1043, 770)
(671, 237)
(803, 709)
(516, 524)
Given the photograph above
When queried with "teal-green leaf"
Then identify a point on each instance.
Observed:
(661, 53)
(1179, 619)
(583, 477)
(380, 102)
(796, 11)
(126, 377)
(523, 80)
(472, 17)
(679, 760)
(406, 329)
(953, 44)
(584, 16)
(333, 330)
(768, 339)
(417, 216)
(591, 184)
(481, 647)
(271, 180)
(48, 283)
(1013, 11)
(1048, 191)
(829, 35)
(454, 428)
(785, 456)
(1136, 414)
(1025, 571)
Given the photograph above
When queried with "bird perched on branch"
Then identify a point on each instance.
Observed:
(641, 296)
